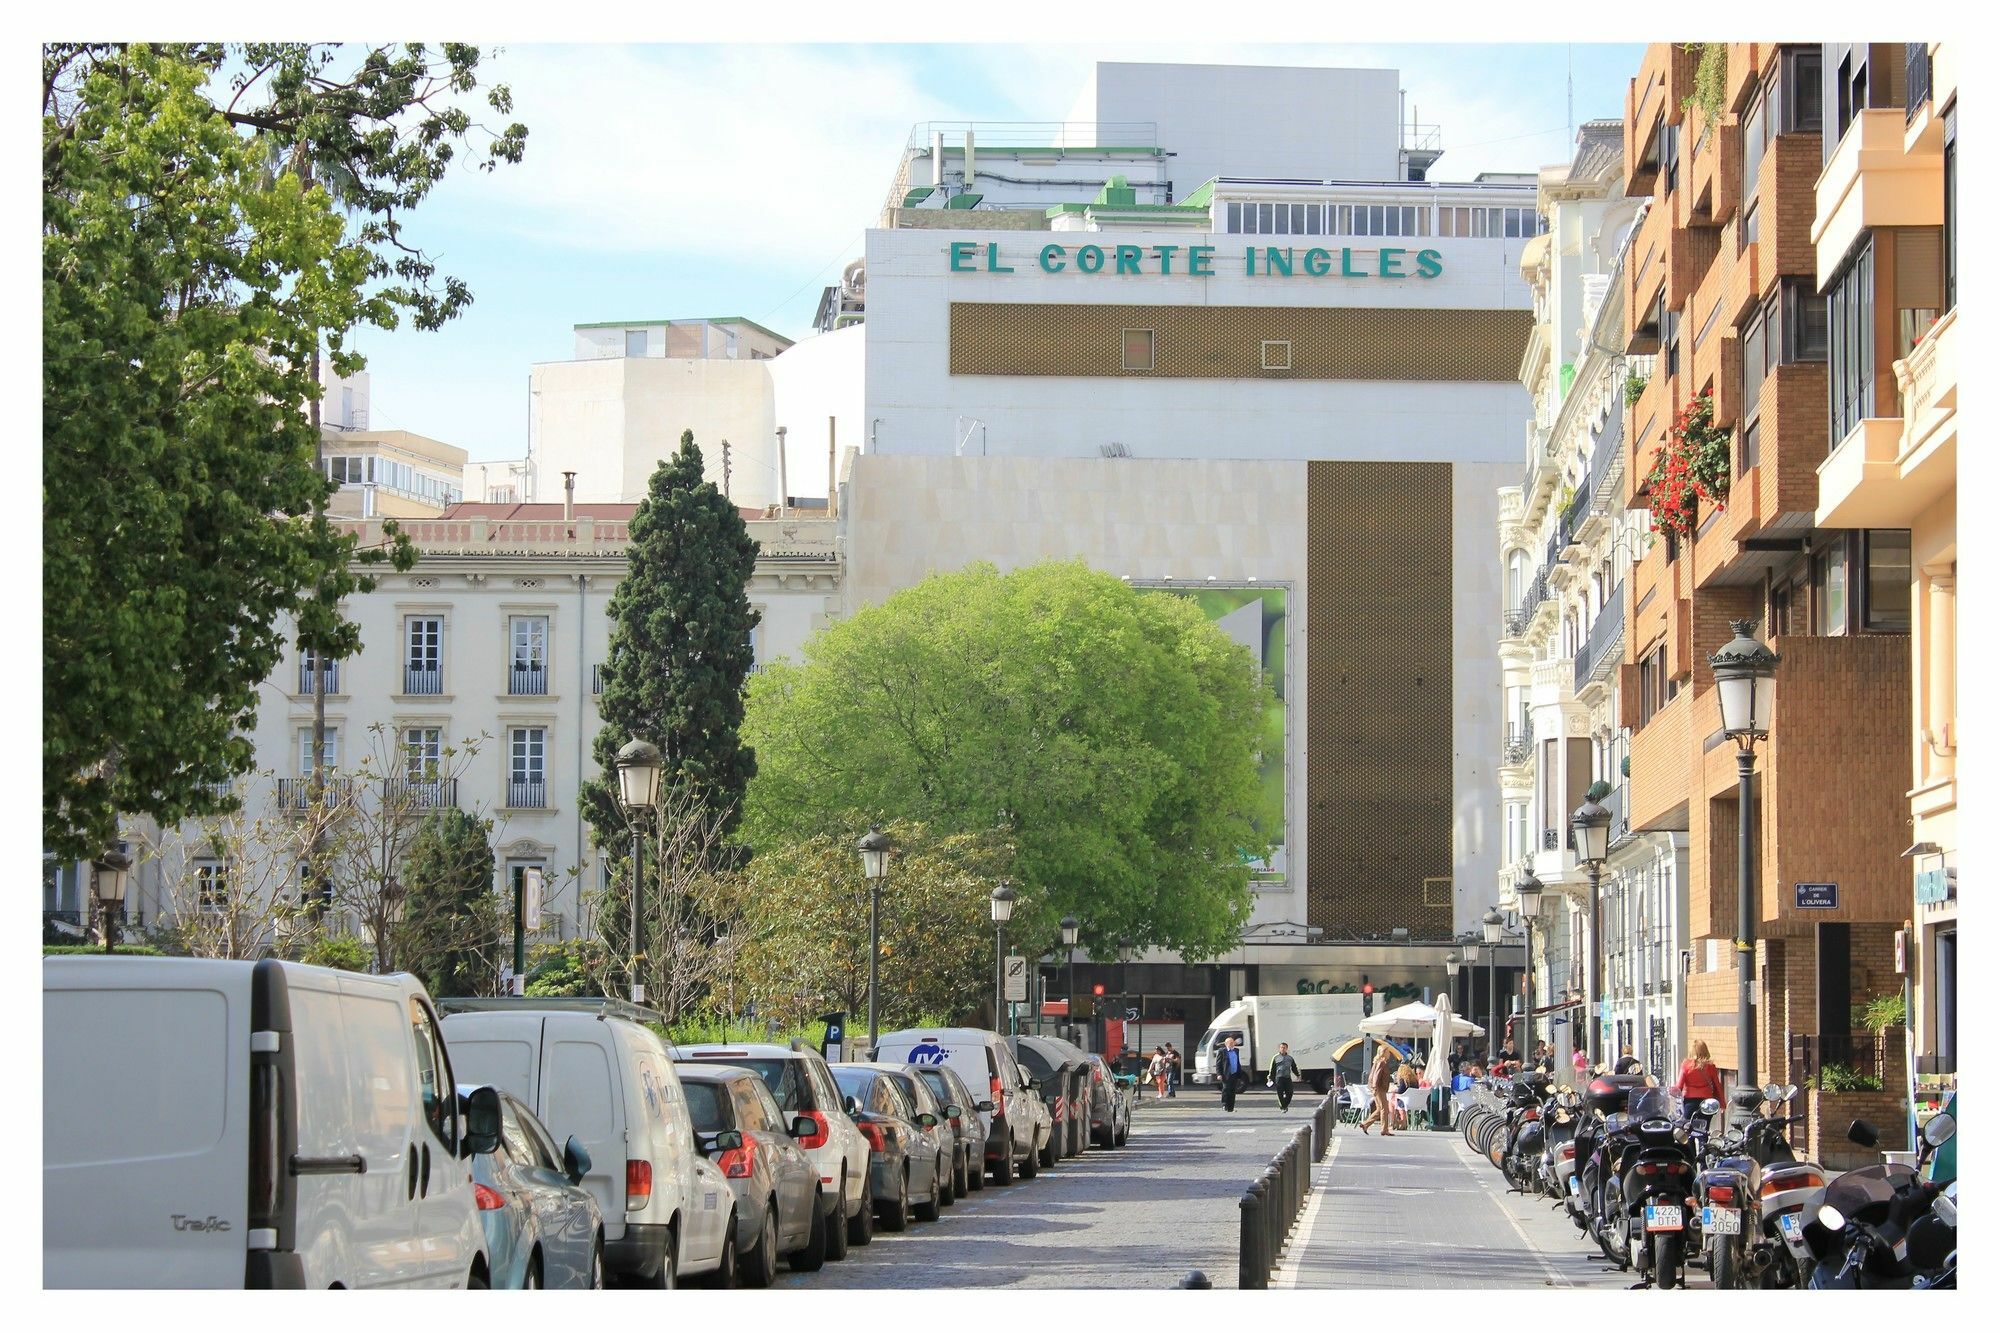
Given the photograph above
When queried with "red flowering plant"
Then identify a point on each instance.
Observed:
(1693, 466)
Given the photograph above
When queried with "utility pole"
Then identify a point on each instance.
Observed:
(725, 470)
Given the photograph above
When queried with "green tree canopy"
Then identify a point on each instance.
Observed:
(680, 647)
(451, 927)
(1113, 733)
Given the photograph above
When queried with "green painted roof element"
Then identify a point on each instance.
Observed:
(1568, 377)
(1201, 196)
(915, 197)
(964, 201)
(1117, 194)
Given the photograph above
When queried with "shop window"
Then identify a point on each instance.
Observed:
(1139, 346)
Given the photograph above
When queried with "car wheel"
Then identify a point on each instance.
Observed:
(929, 1209)
(476, 1280)
(861, 1226)
(948, 1182)
(1048, 1156)
(759, 1268)
(532, 1279)
(896, 1214)
(1031, 1164)
(975, 1170)
(836, 1222)
(812, 1257)
(1003, 1170)
(597, 1263)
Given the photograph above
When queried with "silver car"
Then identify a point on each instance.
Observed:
(543, 1229)
(739, 1127)
(907, 1157)
(957, 1104)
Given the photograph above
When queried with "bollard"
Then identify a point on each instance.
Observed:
(1196, 1280)
(1251, 1270)
(1274, 1206)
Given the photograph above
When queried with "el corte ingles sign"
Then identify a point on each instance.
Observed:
(1198, 261)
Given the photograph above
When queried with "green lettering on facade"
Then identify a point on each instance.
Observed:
(1429, 263)
(1166, 254)
(1277, 261)
(1319, 262)
(1390, 261)
(1128, 259)
(1052, 259)
(1089, 258)
(993, 264)
(1347, 269)
(961, 256)
(1198, 260)
(1250, 260)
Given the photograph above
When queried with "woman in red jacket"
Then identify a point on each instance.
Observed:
(1699, 1079)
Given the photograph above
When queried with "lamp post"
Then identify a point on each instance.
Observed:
(875, 849)
(1071, 928)
(1002, 903)
(1746, 687)
(1491, 924)
(1590, 831)
(1451, 978)
(638, 765)
(107, 885)
(1529, 891)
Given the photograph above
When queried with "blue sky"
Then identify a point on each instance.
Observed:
(677, 181)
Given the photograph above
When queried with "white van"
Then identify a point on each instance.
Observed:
(990, 1071)
(611, 1082)
(208, 1123)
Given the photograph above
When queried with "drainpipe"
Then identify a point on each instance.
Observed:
(784, 487)
(569, 497)
(832, 499)
(967, 188)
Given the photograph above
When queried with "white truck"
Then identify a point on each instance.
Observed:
(1321, 1030)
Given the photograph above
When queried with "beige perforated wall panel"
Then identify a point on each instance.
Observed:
(1379, 697)
(1226, 342)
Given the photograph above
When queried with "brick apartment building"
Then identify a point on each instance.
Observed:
(1728, 293)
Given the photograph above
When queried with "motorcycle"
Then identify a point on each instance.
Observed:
(1643, 1174)
(1520, 1147)
(1557, 1165)
(1878, 1226)
(1604, 1100)
(1751, 1180)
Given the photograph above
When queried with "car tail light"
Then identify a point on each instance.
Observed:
(873, 1133)
(739, 1163)
(816, 1139)
(487, 1198)
(1096, 1073)
(1722, 1193)
(999, 1097)
(638, 1183)
(1802, 1180)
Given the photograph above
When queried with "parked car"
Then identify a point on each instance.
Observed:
(1036, 1108)
(592, 1072)
(799, 1078)
(779, 1207)
(543, 1229)
(982, 1060)
(969, 1172)
(209, 1123)
(941, 1128)
(907, 1150)
(1062, 1072)
(1110, 1104)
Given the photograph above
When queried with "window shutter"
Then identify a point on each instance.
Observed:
(1919, 268)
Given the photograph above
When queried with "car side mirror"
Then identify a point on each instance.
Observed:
(1939, 1128)
(1709, 1106)
(482, 1122)
(723, 1140)
(849, 1105)
(985, 1107)
(804, 1126)
(927, 1120)
(1863, 1133)
(576, 1160)
(954, 1111)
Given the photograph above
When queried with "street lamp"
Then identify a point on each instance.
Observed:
(1071, 928)
(1529, 891)
(875, 850)
(1451, 981)
(1590, 832)
(111, 871)
(1491, 923)
(1002, 903)
(639, 766)
(1746, 687)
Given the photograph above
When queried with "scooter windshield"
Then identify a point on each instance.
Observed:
(1649, 1104)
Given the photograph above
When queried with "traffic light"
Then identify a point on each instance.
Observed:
(1097, 989)
(1367, 1000)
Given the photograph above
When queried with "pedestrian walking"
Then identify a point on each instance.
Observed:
(1699, 1079)
(1581, 1062)
(1229, 1068)
(1157, 1071)
(1628, 1063)
(1381, 1077)
(1283, 1070)
(1173, 1070)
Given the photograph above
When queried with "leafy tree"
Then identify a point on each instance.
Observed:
(1113, 732)
(193, 265)
(680, 647)
(801, 935)
(342, 951)
(451, 930)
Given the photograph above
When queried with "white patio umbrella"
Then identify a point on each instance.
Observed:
(1437, 1069)
(1417, 1020)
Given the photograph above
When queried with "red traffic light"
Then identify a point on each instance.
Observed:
(1097, 989)
(1367, 989)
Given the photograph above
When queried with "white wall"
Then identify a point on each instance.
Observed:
(1258, 120)
(810, 381)
(919, 403)
(1478, 831)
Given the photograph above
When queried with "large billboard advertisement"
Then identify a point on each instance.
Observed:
(1258, 618)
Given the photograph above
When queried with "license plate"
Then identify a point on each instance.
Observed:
(1792, 1227)
(1722, 1221)
(1575, 1185)
(1663, 1217)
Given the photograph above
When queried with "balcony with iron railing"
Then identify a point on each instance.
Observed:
(420, 793)
(527, 795)
(295, 795)
(1517, 746)
(1515, 623)
(1916, 78)
(423, 679)
(329, 676)
(528, 678)
(1604, 647)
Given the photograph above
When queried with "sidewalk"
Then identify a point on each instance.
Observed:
(1421, 1209)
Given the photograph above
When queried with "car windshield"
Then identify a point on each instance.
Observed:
(704, 1105)
(854, 1083)
(772, 1071)
(934, 1080)
(1037, 1063)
